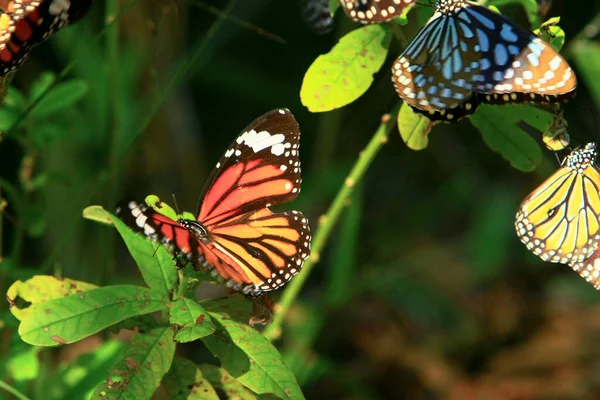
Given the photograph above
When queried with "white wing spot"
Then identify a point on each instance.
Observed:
(261, 140)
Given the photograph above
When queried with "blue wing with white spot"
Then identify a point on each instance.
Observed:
(467, 54)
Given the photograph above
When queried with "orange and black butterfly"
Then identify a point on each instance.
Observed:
(560, 220)
(27, 23)
(235, 233)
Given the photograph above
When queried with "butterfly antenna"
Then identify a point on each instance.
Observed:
(175, 203)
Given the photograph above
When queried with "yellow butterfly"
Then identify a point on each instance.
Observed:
(560, 220)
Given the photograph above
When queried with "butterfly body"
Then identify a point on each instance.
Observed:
(560, 220)
(467, 54)
(235, 233)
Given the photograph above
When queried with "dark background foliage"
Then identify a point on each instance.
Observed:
(424, 290)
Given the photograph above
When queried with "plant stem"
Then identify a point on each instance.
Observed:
(13, 391)
(328, 221)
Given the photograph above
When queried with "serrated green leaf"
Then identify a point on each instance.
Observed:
(155, 262)
(414, 128)
(61, 97)
(40, 289)
(192, 318)
(221, 379)
(72, 318)
(341, 76)
(500, 127)
(140, 368)
(236, 306)
(185, 381)
(250, 358)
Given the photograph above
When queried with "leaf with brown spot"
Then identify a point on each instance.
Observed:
(83, 314)
(40, 289)
(144, 349)
(185, 313)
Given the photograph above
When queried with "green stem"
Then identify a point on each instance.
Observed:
(328, 221)
(13, 391)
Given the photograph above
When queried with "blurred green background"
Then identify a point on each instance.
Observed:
(424, 290)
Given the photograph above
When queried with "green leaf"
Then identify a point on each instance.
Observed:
(221, 379)
(414, 128)
(333, 6)
(346, 72)
(46, 133)
(185, 381)
(551, 33)
(192, 318)
(237, 306)
(8, 118)
(140, 368)
(40, 289)
(77, 379)
(587, 57)
(530, 6)
(41, 85)
(161, 207)
(69, 319)
(502, 130)
(155, 262)
(61, 97)
(250, 358)
(24, 365)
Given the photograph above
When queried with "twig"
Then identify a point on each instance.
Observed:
(328, 221)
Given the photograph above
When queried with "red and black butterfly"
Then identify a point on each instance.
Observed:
(375, 11)
(27, 23)
(235, 233)
(467, 54)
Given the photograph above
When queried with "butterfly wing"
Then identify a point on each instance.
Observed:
(259, 251)
(261, 168)
(159, 228)
(27, 23)
(375, 11)
(560, 220)
(467, 54)
(589, 269)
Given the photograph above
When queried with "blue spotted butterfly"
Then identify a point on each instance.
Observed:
(467, 54)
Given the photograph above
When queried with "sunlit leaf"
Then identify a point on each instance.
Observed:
(552, 33)
(414, 128)
(140, 368)
(69, 319)
(185, 381)
(193, 321)
(341, 76)
(501, 128)
(40, 289)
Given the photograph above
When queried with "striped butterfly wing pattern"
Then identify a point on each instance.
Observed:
(375, 11)
(560, 220)
(27, 23)
(235, 234)
(467, 54)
